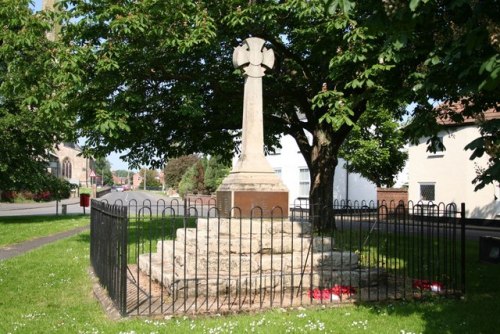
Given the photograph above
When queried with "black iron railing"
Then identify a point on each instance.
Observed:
(108, 249)
(178, 257)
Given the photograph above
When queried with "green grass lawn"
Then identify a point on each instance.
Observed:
(49, 290)
(18, 229)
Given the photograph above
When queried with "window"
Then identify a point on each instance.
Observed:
(66, 168)
(438, 146)
(304, 182)
(277, 151)
(427, 191)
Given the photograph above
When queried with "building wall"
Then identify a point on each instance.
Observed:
(392, 195)
(136, 181)
(80, 166)
(289, 161)
(451, 172)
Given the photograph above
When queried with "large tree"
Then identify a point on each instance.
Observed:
(31, 123)
(176, 168)
(461, 72)
(376, 151)
(103, 170)
(155, 76)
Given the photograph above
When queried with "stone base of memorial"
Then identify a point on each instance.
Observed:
(246, 195)
(241, 257)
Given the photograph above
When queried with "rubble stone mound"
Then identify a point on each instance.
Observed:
(242, 256)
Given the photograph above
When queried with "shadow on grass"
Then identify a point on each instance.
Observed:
(83, 237)
(476, 312)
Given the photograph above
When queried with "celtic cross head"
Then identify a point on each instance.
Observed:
(253, 57)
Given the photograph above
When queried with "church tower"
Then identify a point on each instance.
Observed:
(49, 5)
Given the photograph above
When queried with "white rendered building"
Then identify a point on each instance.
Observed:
(289, 163)
(446, 176)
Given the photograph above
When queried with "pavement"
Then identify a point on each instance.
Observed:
(13, 250)
(37, 205)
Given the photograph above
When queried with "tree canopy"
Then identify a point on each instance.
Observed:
(103, 169)
(31, 123)
(176, 168)
(150, 176)
(375, 148)
(162, 71)
(155, 77)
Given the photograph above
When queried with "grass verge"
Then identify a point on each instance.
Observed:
(18, 229)
(49, 291)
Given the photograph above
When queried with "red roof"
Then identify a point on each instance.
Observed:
(448, 113)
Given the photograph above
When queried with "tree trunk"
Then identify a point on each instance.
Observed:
(322, 158)
(323, 161)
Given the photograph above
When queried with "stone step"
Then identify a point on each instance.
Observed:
(226, 245)
(181, 283)
(245, 227)
(233, 264)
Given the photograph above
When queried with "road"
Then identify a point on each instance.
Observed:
(73, 204)
(126, 197)
(157, 203)
(471, 232)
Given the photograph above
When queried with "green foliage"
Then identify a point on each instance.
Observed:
(461, 66)
(168, 79)
(103, 168)
(193, 180)
(155, 77)
(152, 178)
(215, 173)
(124, 174)
(376, 135)
(31, 122)
(121, 173)
(489, 144)
(175, 169)
(203, 176)
(58, 188)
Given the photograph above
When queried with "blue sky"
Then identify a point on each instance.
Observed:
(113, 158)
(38, 4)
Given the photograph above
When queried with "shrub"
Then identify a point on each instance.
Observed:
(43, 196)
(215, 173)
(8, 196)
(188, 181)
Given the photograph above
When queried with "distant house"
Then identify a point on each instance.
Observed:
(290, 165)
(120, 180)
(67, 163)
(446, 176)
(136, 180)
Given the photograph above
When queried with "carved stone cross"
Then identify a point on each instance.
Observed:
(252, 188)
(253, 58)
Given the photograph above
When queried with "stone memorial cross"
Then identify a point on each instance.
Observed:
(252, 182)
(253, 58)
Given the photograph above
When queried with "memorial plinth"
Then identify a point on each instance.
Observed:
(252, 195)
(252, 189)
